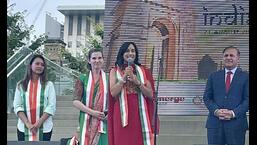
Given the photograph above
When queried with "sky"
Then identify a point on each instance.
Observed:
(50, 6)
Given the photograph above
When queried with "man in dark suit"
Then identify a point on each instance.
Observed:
(227, 98)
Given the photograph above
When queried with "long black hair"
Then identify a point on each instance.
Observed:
(122, 50)
(89, 67)
(28, 74)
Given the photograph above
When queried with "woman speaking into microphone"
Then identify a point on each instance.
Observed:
(131, 100)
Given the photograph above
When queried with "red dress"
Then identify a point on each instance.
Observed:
(132, 133)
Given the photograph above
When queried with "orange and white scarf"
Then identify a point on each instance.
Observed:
(33, 101)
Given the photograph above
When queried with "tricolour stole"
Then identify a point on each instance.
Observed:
(87, 99)
(33, 101)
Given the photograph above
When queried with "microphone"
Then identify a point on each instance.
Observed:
(105, 112)
(130, 61)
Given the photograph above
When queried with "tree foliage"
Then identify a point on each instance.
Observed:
(18, 32)
(74, 63)
(38, 42)
(93, 41)
(99, 30)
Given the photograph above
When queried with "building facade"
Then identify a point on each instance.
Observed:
(188, 36)
(53, 48)
(53, 28)
(54, 43)
(79, 24)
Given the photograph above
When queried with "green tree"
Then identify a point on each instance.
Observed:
(38, 41)
(18, 32)
(94, 40)
(99, 30)
(74, 63)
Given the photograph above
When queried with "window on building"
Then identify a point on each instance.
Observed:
(78, 44)
(79, 25)
(70, 24)
(61, 32)
(69, 44)
(88, 25)
(97, 18)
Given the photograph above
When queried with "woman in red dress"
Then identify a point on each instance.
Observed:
(131, 100)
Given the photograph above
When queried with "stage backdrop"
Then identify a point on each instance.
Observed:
(189, 36)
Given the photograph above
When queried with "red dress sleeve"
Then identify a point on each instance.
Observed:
(110, 130)
(151, 103)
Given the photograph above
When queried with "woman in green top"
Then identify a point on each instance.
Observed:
(90, 97)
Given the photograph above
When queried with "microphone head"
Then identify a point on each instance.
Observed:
(130, 61)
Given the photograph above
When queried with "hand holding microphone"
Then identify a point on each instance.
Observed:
(129, 69)
(129, 72)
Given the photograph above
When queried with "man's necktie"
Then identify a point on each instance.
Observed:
(228, 80)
